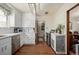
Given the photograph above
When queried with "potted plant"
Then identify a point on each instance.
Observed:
(60, 28)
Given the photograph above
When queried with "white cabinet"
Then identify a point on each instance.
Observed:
(29, 35)
(15, 19)
(5, 46)
(15, 43)
(21, 40)
(58, 43)
(18, 19)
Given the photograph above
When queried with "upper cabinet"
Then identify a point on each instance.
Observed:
(28, 20)
(15, 19)
(18, 19)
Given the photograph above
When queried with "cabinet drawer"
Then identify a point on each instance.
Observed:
(5, 40)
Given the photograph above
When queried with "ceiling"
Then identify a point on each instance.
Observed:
(41, 8)
(50, 6)
(21, 6)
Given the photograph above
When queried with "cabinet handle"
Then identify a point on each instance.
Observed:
(2, 49)
(5, 47)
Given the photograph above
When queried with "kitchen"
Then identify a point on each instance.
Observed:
(19, 27)
(13, 31)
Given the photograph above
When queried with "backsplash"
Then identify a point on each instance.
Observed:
(5, 30)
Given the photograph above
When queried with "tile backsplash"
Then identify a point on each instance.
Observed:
(5, 30)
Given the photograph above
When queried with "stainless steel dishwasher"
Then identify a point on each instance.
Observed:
(15, 43)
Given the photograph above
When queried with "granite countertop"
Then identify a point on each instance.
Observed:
(8, 35)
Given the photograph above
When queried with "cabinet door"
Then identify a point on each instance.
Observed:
(60, 43)
(15, 43)
(1, 50)
(52, 43)
(22, 36)
(5, 48)
(18, 17)
(8, 48)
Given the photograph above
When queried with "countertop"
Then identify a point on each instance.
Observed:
(9, 35)
(56, 34)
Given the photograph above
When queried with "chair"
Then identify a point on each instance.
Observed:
(75, 37)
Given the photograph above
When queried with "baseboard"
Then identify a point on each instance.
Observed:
(53, 50)
(58, 53)
(29, 44)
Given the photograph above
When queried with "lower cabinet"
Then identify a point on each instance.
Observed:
(15, 43)
(58, 43)
(21, 40)
(5, 46)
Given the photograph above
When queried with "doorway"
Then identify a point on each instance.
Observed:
(72, 30)
(41, 31)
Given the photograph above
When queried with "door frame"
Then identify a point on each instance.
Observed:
(68, 20)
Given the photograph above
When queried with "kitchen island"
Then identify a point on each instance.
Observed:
(58, 43)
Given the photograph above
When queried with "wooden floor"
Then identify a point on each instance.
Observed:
(40, 49)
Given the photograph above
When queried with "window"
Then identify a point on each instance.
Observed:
(11, 19)
(2, 18)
